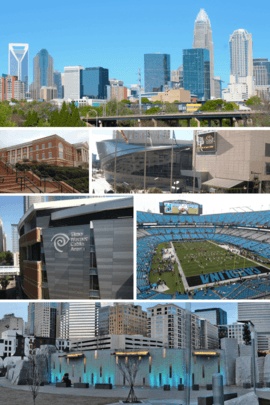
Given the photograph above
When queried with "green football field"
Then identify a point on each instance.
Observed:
(205, 257)
(172, 281)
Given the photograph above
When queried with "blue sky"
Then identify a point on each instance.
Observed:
(117, 34)
(11, 211)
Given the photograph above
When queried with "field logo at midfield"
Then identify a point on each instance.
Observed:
(60, 240)
(226, 275)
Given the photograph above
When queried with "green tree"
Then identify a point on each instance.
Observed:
(125, 101)
(145, 100)
(4, 116)
(254, 101)
(152, 110)
(246, 335)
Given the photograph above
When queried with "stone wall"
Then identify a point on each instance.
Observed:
(231, 353)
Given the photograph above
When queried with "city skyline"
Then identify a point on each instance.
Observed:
(21, 309)
(109, 58)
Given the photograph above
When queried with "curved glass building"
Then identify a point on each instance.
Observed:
(157, 148)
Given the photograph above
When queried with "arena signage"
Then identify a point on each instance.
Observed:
(225, 275)
(77, 241)
(206, 143)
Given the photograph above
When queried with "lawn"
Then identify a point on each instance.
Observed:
(204, 256)
(168, 277)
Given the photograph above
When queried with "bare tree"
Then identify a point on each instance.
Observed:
(34, 379)
(129, 367)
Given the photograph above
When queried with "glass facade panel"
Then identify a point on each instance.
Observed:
(196, 72)
(157, 71)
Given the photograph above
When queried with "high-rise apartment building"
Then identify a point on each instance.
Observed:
(203, 40)
(73, 82)
(94, 82)
(157, 71)
(57, 79)
(168, 323)
(11, 322)
(18, 62)
(30, 200)
(11, 88)
(196, 72)
(216, 316)
(79, 320)
(122, 319)
(241, 61)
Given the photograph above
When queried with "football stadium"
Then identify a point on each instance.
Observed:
(182, 254)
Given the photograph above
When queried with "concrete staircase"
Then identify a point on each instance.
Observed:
(9, 185)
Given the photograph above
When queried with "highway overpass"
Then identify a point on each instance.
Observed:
(173, 119)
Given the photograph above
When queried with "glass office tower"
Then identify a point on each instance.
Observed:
(95, 82)
(157, 71)
(18, 62)
(203, 40)
(196, 72)
(43, 73)
(57, 79)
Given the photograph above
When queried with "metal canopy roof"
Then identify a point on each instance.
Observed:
(222, 183)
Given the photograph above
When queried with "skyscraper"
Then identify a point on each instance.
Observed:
(43, 73)
(95, 81)
(157, 71)
(18, 62)
(57, 79)
(2, 233)
(79, 320)
(15, 238)
(259, 314)
(261, 71)
(42, 318)
(203, 39)
(196, 72)
(73, 82)
(216, 316)
(241, 61)
(30, 200)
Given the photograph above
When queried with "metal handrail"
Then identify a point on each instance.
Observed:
(14, 168)
(25, 185)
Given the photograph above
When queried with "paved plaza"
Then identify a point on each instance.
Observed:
(17, 394)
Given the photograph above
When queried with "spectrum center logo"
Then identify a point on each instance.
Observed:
(60, 240)
(78, 241)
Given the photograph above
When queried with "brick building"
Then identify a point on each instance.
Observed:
(52, 149)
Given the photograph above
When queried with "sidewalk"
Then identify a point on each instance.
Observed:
(153, 396)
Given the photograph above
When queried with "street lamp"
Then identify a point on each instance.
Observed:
(253, 351)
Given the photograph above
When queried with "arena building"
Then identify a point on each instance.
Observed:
(77, 249)
(224, 160)
(130, 158)
(219, 256)
(52, 149)
(238, 159)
